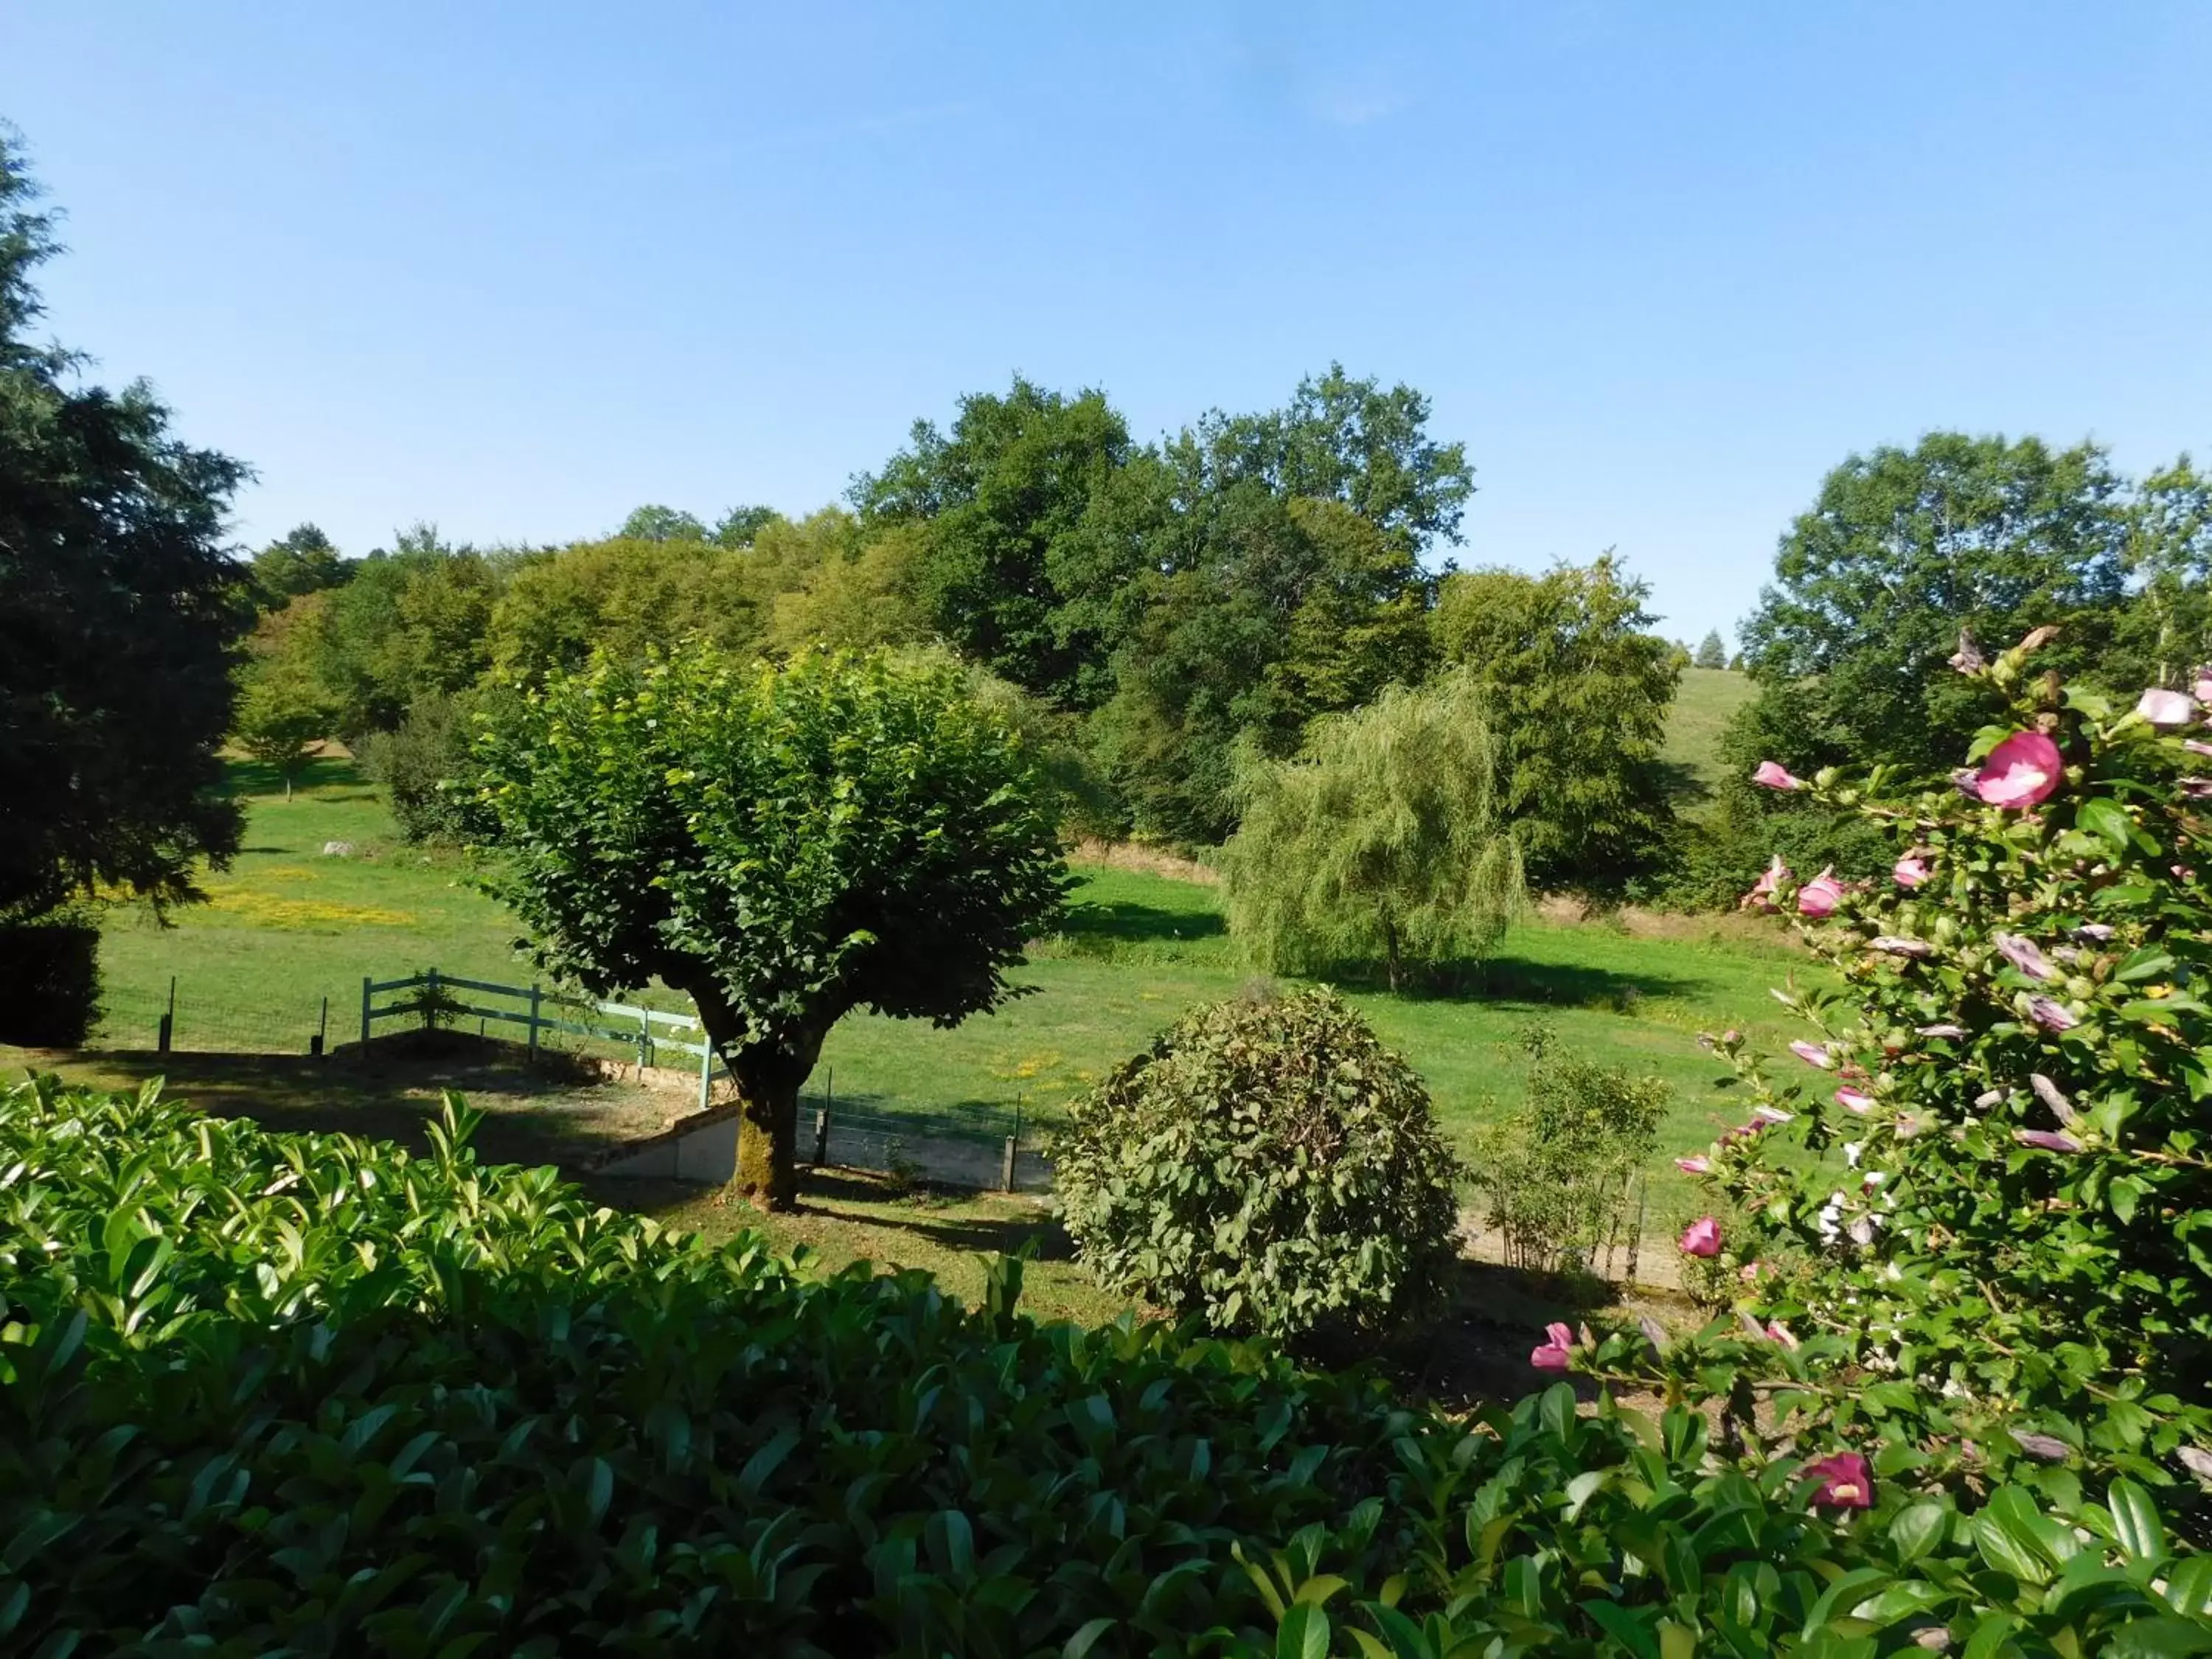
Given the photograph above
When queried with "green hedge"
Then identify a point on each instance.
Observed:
(277, 1393)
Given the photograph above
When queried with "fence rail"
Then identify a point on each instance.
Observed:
(434, 1004)
(978, 1144)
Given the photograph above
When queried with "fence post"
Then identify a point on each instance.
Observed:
(1013, 1148)
(821, 1120)
(644, 1041)
(536, 996)
(167, 1031)
(430, 999)
(365, 983)
(322, 1031)
(706, 1068)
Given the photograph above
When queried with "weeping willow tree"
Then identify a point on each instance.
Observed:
(1382, 843)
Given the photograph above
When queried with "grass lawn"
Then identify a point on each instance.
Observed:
(1702, 704)
(287, 927)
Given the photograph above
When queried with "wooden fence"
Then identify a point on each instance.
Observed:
(436, 1000)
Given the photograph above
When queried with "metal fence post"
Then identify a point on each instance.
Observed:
(537, 995)
(706, 1069)
(821, 1120)
(1013, 1148)
(365, 983)
(167, 1032)
(644, 1042)
(322, 1031)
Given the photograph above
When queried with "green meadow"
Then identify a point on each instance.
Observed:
(288, 926)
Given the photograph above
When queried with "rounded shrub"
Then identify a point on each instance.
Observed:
(1267, 1165)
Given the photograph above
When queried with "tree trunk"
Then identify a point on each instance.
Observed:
(768, 1142)
(769, 1074)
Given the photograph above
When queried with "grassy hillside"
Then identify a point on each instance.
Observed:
(289, 925)
(1702, 704)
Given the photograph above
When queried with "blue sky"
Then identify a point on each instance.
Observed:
(516, 269)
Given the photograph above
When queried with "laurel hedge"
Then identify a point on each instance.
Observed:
(266, 1393)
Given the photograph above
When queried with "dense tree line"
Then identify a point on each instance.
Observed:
(1165, 617)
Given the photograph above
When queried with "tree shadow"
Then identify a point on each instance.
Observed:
(1683, 785)
(1574, 985)
(1121, 922)
(253, 777)
(1519, 980)
(531, 1115)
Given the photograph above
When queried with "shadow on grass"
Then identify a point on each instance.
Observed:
(1124, 923)
(1516, 980)
(252, 777)
(531, 1115)
(1683, 787)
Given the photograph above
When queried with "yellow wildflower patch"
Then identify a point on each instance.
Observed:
(266, 910)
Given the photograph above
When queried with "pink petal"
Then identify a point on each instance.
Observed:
(2169, 711)
(2022, 771)
(1702, 1237)
(1772, 775)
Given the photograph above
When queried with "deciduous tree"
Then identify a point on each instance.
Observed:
(1382, 844)
(1904, 548)
(783, 846)
(1577, 688)
(303, 560)
(283, 709)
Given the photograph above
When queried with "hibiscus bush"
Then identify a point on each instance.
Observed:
(1968, 1227)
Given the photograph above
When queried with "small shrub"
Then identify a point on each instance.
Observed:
(425, 765)
(49, 982)
(1560, 1174)
(1267, 1165)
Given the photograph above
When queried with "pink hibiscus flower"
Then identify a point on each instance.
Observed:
(1777, 874)
(2021, 772)
(1554, 1355)
(2169, 711)
(1909, 871)
(1819, 896)
(1772, 775)
(1702, 1237)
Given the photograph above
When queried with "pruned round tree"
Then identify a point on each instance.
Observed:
(782, 845)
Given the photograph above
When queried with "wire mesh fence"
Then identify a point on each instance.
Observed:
(980, 1147)
(204, 1017)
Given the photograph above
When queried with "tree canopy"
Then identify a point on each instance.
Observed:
(1577, 690)
(303, 560)
(119, 608)
(1382, 844)
(782, 845)
(1902, 548)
